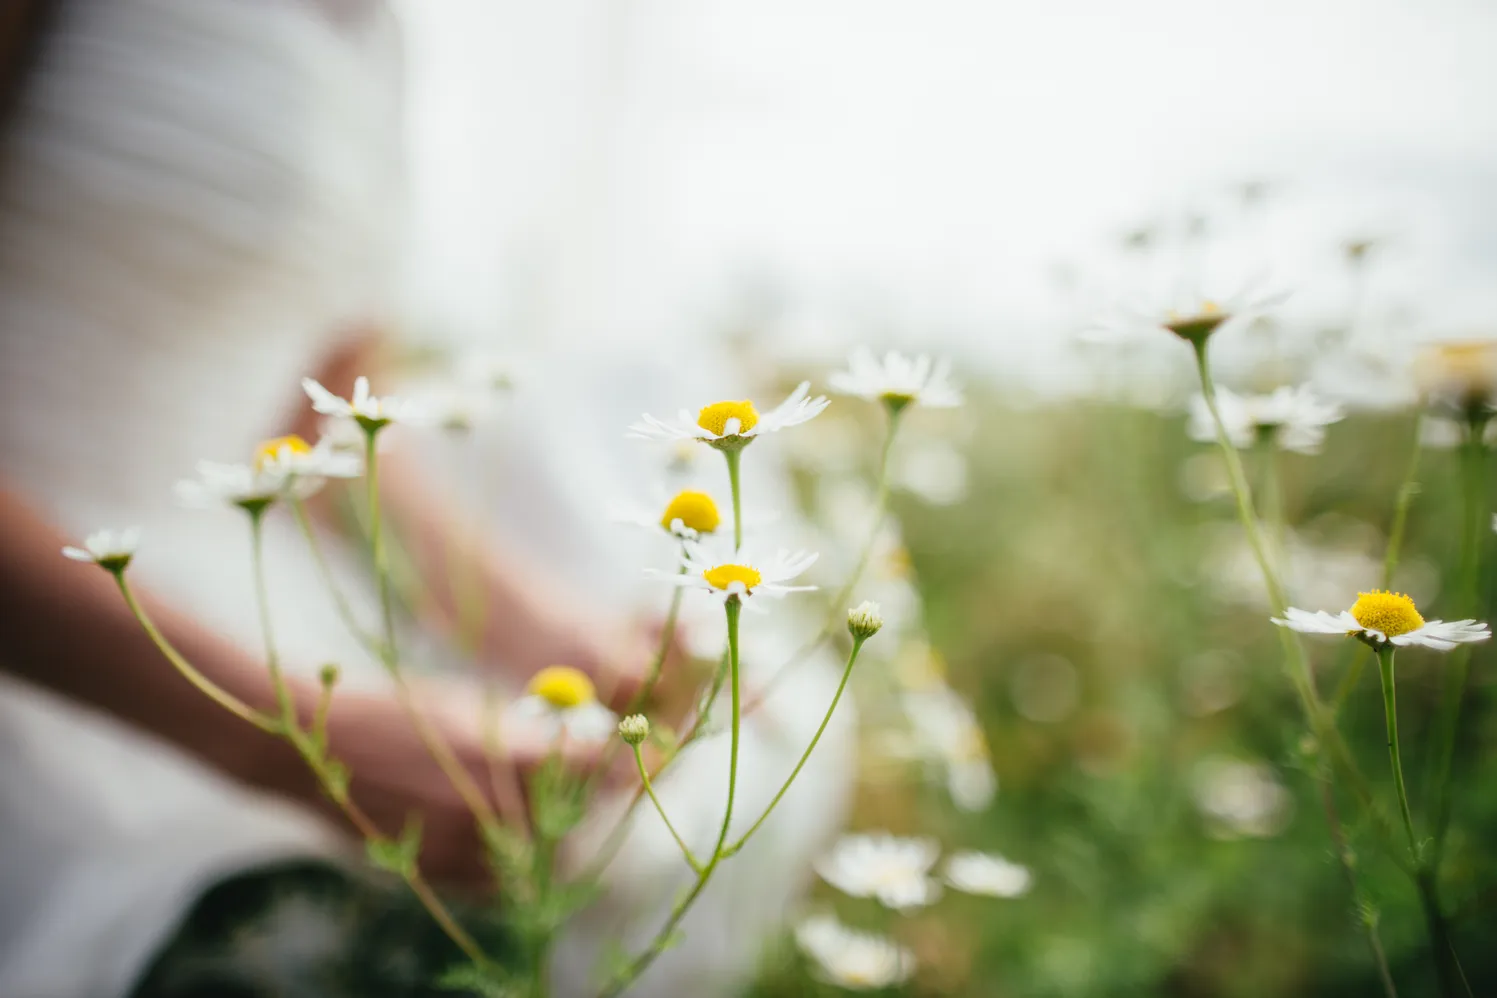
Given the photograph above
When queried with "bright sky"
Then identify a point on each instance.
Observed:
(604, 167)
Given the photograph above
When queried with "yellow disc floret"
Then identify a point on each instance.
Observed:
(269, 452)
(723, 576)
(695, 510)
(1391, 613)
(714, 418)
(562, 686)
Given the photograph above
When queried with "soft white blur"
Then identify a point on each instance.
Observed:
(955, 171)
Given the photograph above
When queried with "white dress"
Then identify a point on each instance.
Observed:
(197, 194)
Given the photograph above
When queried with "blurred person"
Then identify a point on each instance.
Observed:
(200, 202)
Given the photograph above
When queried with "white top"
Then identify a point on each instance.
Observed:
(199, 194)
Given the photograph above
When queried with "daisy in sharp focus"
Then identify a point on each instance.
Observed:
(986, 874)
(739, 574)
(109, 549)
(1289, 418)
(893, 870)
(368, 411)
(1382, 618)
(897, 380)
(561, 701)
(733, 424)
(857, 961)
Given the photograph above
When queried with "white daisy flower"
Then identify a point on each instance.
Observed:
(733, 424)
(1380, 618)
(858, 961)
(687, 515)
(369, 412)
(985, 873)
(895, 871)
(948, 734)
(1192, 318)
(282, 467)
(561, 701)
(897, 380)
(1460, 376)
(1241, 799)
(1291, 418)
(111, 550)
(737, 574)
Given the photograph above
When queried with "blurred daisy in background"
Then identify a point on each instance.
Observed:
(108, 549)
(1288, 418)
(284, 467)
(367, 410)
(897, 381)
(987, 874)
(561, 701)
(1241, 799)
(687, 515)
(894, 871)
(858, 961)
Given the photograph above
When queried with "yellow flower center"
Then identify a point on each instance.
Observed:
(714, 417)
(562, 686)
(1391, 613)
(724, 576)
(695, 510)
(1198, 326)
(269, 451)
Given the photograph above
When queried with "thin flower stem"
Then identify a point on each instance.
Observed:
(838, 604)
(462, 781)
(644, 777)
(663, 939)
(208, 687)
(1366, 914)
(267, 632)
(325, 570)
(315, 761)
(1452, 690)
(1406, 493)
(734, 457)
(1390, 711)
(852, 658)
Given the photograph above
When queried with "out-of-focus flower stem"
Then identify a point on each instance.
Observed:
(644, 779)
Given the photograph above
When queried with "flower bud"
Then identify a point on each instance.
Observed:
(634, 729)
(864, 620)
(329, 675)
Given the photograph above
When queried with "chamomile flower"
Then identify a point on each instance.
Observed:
(561, 701)
(987, 874)
(687, 515)
(738, 574)
(1193, 319)
(1459, 376)
(732, 424)
(897, 381)
(1384, 618)
(110, 550)
(857, 961)
(281, 467)
(1290, 418)
(369, 412)
(893, 870)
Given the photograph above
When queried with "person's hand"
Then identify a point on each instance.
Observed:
(394, 775)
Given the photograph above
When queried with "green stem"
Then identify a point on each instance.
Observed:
(644, 777)
(267, 632)
(325, 571)
(852, 658)
(663, 939)
(208, 687)
(377, 548)
(1390, 711)
(1453, 687)
(667, 638)
(733, 458)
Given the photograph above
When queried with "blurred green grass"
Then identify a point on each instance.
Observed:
(1078, 539)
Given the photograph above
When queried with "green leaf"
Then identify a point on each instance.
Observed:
(480, 981)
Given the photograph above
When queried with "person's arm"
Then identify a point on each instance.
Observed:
(65, 626)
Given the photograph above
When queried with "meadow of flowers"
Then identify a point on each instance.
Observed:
(1186, 697)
